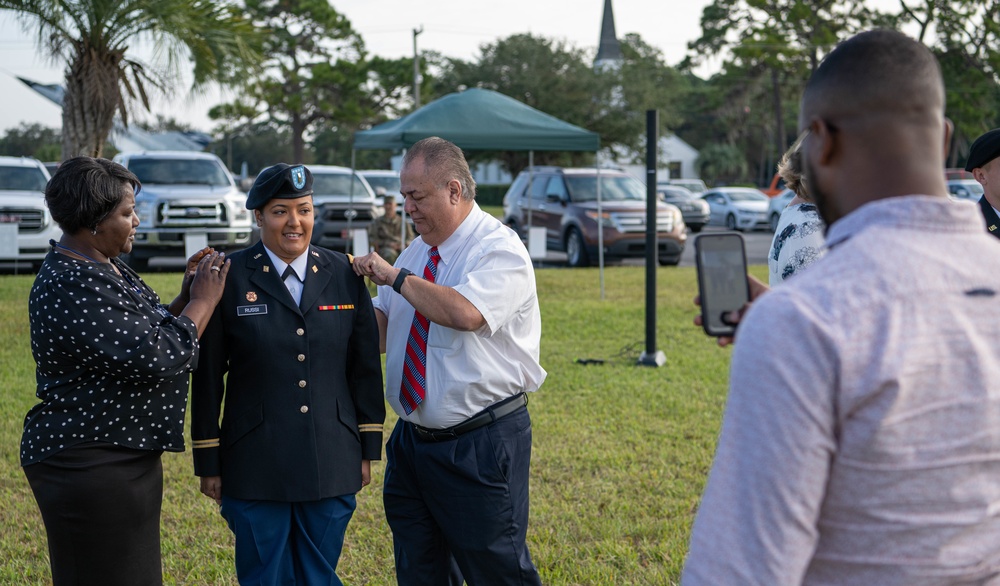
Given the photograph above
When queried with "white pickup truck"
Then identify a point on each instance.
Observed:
(27, 225)
(185, 195)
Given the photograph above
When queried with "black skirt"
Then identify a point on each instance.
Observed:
(101, 507)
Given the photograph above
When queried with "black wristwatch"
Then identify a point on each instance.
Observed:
(398, 283)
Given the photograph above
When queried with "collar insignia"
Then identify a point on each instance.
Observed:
(267, 269)
(315, 270)
(251, 296)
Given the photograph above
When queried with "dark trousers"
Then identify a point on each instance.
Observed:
(459, 508)
(101, 507)
(297, 544)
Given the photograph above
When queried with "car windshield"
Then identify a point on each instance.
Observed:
(179, 172)
(389, 183)
(676, 194)
(694, 186)
(337, 184)
(22, 179)
(746, 195)
(613, 188)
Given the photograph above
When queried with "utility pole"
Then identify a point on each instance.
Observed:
(416, 69)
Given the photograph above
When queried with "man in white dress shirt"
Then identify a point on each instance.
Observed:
(459, 322)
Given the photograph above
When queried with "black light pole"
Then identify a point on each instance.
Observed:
(651, 356)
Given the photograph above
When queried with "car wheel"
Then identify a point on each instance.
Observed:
(731, 222)
(138, 264)
(671, 261)
(695, 228)
(576, 251)
(773, 221)
(512, 224)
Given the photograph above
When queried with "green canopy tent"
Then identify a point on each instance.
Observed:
(478, 119)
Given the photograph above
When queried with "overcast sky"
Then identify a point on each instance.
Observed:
(452, 27)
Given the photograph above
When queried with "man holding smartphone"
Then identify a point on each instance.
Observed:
(860, 441)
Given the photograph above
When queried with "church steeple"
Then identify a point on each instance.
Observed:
(609, 51)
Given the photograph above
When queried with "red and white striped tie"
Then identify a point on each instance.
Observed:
(412, 390)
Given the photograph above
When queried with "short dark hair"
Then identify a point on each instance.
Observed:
(444, 157)
(875, 72)
(84, 190)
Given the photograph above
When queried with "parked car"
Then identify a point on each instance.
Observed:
(693, 208)
(965, 189)
(343, 202)
(564, 202)
(958, 173)
(387, 180)
(692, 185)
(737, 208)
(183, 194)
(775, 205)
(22, 202)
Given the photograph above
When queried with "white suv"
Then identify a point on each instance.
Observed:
(185, 193)
(22, 202)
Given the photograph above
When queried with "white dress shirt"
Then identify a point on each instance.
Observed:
(488, 264)
(299, 265)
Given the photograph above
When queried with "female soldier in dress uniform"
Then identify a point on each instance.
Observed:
(296, 334)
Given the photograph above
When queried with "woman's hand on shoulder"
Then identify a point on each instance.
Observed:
(210, 277)
(191, 269)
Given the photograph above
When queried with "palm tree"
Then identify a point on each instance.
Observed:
(93, 38)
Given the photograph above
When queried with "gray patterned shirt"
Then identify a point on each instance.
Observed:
(861, 438)
(798, 242)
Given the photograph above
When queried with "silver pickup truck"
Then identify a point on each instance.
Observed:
(185, 195)
(342, 205)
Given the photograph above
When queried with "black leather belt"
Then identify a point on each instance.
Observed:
(484, 417)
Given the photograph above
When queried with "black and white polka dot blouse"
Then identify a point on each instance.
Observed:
(112, 364)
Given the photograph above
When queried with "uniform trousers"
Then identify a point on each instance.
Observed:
(294, 544)
(101, 507)
(459, 508)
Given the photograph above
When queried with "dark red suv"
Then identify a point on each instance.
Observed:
(564, 202)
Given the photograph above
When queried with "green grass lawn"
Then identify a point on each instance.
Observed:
(620, 455)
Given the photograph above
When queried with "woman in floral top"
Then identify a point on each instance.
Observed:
(799, 239)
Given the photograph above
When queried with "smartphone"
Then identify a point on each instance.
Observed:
(722, 279)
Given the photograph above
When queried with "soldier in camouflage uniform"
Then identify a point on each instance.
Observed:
(384, 232)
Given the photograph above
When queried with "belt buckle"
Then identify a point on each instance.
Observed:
(444, 434)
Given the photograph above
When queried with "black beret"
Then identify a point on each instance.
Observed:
(985, 149)
(280, 181)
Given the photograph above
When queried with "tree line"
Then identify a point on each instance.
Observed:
(305, 80)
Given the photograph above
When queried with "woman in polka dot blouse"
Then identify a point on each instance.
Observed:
(112, 374)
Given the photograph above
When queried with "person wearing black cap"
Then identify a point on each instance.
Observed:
(292, 351)
(985, 168)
